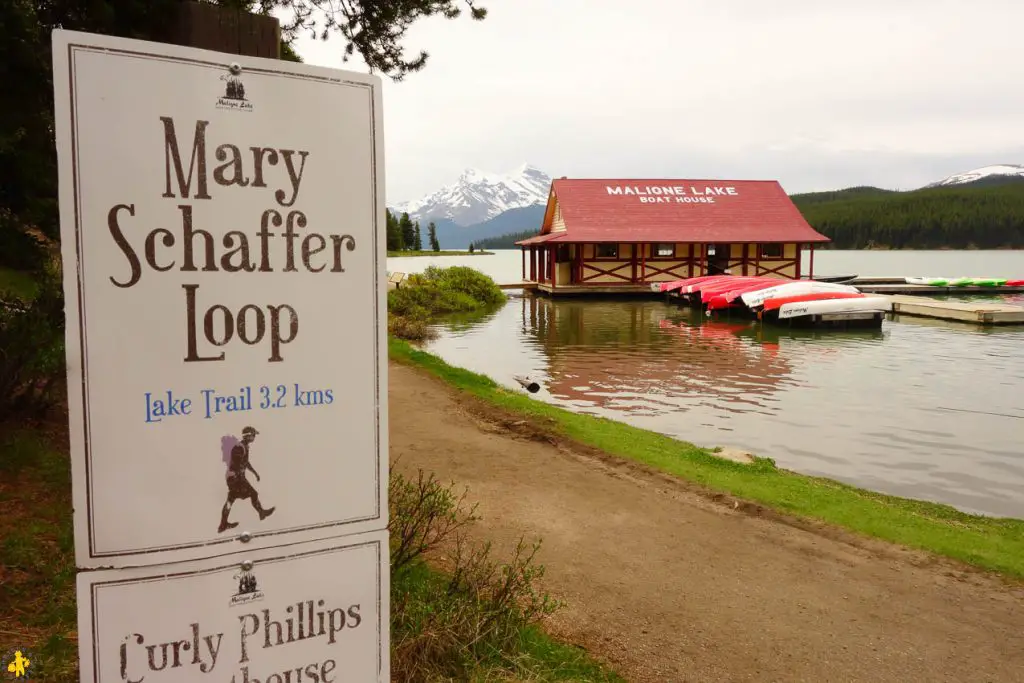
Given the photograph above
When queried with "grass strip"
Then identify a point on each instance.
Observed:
(37, 573)
(535, 657)
(443, 252)
(16, 284)
(991, 543)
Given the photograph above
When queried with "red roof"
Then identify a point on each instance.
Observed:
(661, 210)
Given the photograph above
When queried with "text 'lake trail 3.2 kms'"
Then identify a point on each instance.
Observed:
(225, 274)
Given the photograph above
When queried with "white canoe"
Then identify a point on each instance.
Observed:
(868, 304)
(758, 296)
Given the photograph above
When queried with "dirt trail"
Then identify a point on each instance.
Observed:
(667, 585)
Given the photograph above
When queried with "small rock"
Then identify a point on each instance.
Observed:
(736, 455)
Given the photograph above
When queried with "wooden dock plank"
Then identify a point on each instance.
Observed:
(974, 312)
(930, 289)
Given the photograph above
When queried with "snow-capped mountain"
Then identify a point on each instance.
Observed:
(478, 196)
(979, 173)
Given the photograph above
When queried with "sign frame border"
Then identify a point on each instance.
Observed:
(65, 44)
(87, 588)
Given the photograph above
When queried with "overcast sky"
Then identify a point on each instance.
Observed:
(818, 94)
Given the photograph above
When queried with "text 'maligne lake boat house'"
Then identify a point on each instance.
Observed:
(623, 235)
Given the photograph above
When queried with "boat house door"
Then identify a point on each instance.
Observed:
(718, 258)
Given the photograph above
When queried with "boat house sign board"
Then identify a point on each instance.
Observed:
(221, 224)
(664, 194)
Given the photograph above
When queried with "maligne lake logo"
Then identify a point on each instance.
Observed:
(248, 591)
(234, 91)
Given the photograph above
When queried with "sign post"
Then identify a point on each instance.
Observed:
(222, 224)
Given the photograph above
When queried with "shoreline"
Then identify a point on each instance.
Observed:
(987, 543)
(443, 252)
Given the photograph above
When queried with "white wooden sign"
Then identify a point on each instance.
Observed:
(312, 615)
(222, 223)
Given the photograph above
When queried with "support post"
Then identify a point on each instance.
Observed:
(811, 268)
(224, 29)
(522, 252)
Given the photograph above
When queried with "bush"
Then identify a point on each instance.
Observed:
(412, 328)
(478, 614)
(32, 366)
(436, 292)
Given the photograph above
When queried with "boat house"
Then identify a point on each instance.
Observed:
(602, 236)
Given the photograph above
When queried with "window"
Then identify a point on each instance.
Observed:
(771, 251)
(665, 250)
(562, 253)
(605, 250)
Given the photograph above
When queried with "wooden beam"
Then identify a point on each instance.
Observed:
(224, 29)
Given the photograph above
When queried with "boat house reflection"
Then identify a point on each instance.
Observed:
(629, 356)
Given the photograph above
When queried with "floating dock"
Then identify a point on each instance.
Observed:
(906, 299)
(898, 285)
(983, 313)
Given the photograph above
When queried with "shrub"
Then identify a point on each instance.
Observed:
(32, 343)
(476, 615)
(436, 292)
(445, 290)
(412, 328)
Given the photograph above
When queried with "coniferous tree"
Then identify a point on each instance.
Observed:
(405, 224)
(394, 233)
(417, 238)
(470, 247)
(432, 236)
(372, 29)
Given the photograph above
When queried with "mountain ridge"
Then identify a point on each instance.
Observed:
(479, 196)
(822, 207)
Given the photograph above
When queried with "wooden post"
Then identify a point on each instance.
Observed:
(212, 27)
(811, 265)
(522, 251)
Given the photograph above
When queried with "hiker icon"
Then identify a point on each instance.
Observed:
(239, 486)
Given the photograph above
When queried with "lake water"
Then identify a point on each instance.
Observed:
(924, 409)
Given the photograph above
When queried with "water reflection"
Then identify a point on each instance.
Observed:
(645, 358)
(919, 408)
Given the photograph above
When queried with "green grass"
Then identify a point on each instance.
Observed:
(538, 658)
(15, 284)
(37, 575)
(402, 254)
(995, 544)
(37, 603)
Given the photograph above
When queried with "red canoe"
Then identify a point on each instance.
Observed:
(735, 282)
(679, 284)
(1015, 283)
(728, 298)
(772, 304)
